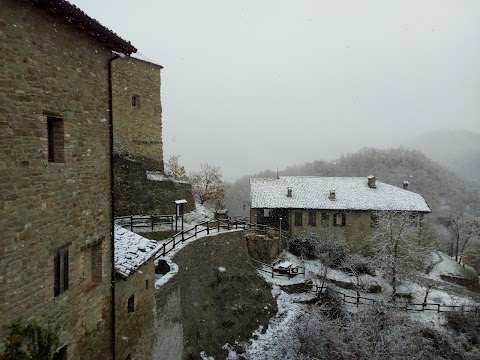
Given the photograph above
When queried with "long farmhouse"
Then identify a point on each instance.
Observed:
(304, 204)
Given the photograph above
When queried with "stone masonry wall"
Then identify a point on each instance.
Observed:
(49, 67)
(135, 194)
(356, 229)
(216, 298)
(134, 333)
(138, 127)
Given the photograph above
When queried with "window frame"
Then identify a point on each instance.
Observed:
(55, 139)
(325, 220)
(61, 273)
(135, 102)
(343, 217)
(131, 303)
(298, 218)
(312, 218)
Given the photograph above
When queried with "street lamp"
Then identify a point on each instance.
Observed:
(179, 212)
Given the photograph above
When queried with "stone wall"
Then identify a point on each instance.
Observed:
(356, 230)
(216, 298)
(134, 333)
(49, 67)
(135, 194)
(137, 123)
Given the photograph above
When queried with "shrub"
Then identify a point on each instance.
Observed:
(303, 245)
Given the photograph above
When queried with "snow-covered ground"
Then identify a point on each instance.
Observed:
(263, 343)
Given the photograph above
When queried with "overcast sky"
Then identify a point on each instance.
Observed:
(252, 85)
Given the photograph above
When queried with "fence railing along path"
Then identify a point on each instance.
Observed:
(210, 226)
(145, 221)
(360, 300)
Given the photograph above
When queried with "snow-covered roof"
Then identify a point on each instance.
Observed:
(131, 251)
(351, 193)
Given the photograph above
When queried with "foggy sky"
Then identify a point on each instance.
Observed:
(253, 85)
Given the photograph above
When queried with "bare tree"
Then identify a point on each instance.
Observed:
(398, 247)
(357, 265)
(174, 169)
(463, 229)
(208, 186)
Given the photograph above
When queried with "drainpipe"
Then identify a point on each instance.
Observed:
(112, 225)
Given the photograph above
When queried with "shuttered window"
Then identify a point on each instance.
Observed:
(340, 219)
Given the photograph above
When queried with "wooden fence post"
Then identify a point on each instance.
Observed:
(438, 310)
(131, 223)
(218, 225)
(183, 236)
(208, 227)
(173, 238)
(151, 218)
(164, 249)
(195, 230)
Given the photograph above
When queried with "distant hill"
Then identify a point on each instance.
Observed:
(458, 151)
(440, 186)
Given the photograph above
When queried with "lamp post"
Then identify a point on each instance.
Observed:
(179, 212)
(280, 232)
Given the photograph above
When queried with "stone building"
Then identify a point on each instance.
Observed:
(134, 295)
(55, 202)
(309, 204)
(137, 110)
(140, 187)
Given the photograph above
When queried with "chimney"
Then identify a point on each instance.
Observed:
(289, 192)
(331, 196)
(405, 184)
(372, 182)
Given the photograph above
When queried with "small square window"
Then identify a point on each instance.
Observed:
(298, 218)
(56, 139)
(325, 220)
(136, 101)
(131, 304)
(61, 271)
(312, 218)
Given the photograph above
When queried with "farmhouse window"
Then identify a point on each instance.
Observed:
(61, 271)
(131, 303)
(298, 218)
(325, 220)
(56, 141)
(312, 218)
(340, 219)
(374, 220)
